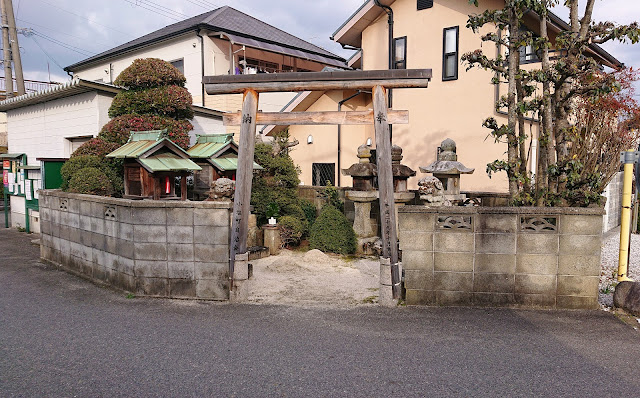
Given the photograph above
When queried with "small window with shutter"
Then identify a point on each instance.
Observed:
(424, 4)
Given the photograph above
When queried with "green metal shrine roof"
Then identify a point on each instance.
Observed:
(168, 162)
(227, 164)
(141, 142)
(211, 145)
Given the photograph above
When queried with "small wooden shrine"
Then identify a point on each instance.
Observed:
(151, 164)
(217, 155)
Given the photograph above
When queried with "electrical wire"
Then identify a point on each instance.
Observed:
(140, 4)
(88, 19)
(46, 53)
(165, 9)
(63, 44)
(60, 32)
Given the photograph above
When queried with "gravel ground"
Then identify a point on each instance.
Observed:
(609, 271)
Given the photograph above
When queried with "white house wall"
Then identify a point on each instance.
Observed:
(42, 130)
(205, 125)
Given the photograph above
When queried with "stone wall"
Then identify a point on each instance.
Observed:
(501, 256)
(151, 248)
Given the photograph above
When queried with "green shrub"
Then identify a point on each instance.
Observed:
(119, 129)
(90, 180)
(170, 101)
(310, 211)
(332, 196)
(96, 147)
(291, 231)
(148, 73)
(332, 232)
(111, 168)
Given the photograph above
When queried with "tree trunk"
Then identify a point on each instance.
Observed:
(545, 151)
(512, 140)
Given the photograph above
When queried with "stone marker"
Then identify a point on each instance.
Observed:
(627, 297)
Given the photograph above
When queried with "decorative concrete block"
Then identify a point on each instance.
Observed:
(577, 302)
(150, 251)
(537, 243)
(539, 264)
(579, 265)
(581, 225)
(497, 223)
(211, 235)
(420, 297)
(493, 299)
(416, 222)
(211, 270)
(453, 262)
(180, 216)
(150, 233)
(453, 281)
(156, 287)
(495, 263)
(211, 217)
(586, 245)
(496, 243)
(179, 252)
(494, 283)
(453, 242)
(536, 284)
(535, 300)
(148, 216)
(179, 234)
(215, 289)
(181, 270)
(211, 253)
(418, 279)
(182, 288)
(151, 269)
(451, 298)
(410, 240)
(570, 285)
(417, 260)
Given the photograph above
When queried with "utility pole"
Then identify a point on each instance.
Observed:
(6, 51)
(15, 48)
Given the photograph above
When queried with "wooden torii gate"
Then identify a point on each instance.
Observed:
(376, 81)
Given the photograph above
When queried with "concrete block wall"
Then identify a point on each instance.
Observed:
(151, 248)
(501, 256)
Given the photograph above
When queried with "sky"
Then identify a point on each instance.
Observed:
(58, 33)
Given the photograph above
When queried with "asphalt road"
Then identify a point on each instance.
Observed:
(61, 336)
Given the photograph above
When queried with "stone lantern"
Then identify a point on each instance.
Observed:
(362, 194)
(448, 170)
(401, 174)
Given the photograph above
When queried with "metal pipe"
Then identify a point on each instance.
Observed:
(201, 63)
(340, 134)
(629, 159)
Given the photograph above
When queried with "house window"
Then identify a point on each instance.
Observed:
(450, 54)
(400, 53)
(424, 4)
(179, 64)
(323, 173)
(76, 142)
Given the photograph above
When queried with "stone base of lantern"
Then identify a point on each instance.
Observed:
(272, 238)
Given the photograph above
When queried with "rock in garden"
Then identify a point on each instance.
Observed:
(627, 297)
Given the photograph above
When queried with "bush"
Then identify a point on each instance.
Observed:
(169, 101)
(96, 147)
(291, 231)
(148, 73)
(90, 180)
(332, 196)
(119, 129)
(310, 211)
(332, 232)
(112, 169)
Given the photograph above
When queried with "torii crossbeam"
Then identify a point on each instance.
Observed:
(376, 81)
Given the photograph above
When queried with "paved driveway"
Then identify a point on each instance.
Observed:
(62, 336)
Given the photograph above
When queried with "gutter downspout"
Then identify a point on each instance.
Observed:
(389, 12)
(232, 67)
(201, 63)
(340, 133)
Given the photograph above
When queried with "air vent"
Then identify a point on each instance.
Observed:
(424, 4)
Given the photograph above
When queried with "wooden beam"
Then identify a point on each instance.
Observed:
(385, 186)
(316, 118)
(317, 81)
(244, 176)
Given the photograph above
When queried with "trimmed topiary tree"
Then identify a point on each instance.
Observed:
(77, 163)
(119, 128)
(90, 180)
(148, 73)
(332, 232)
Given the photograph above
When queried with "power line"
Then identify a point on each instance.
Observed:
(88, 19)
(157, 11)
(204, 4)
(60, 32)
(46, 53)
(159, 6)
(31, 33)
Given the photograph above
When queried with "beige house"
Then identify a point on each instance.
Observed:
(222, 41)
(426, 34)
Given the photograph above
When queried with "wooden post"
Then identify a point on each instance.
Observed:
(385, 186)
(244, 176)
(183, 186)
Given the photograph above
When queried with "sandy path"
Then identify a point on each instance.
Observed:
(314, 279)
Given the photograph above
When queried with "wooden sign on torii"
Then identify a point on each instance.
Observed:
(380, 116)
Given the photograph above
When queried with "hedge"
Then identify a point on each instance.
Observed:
(90, 180)
(170, 101)
(148, 73)
(119, 129)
